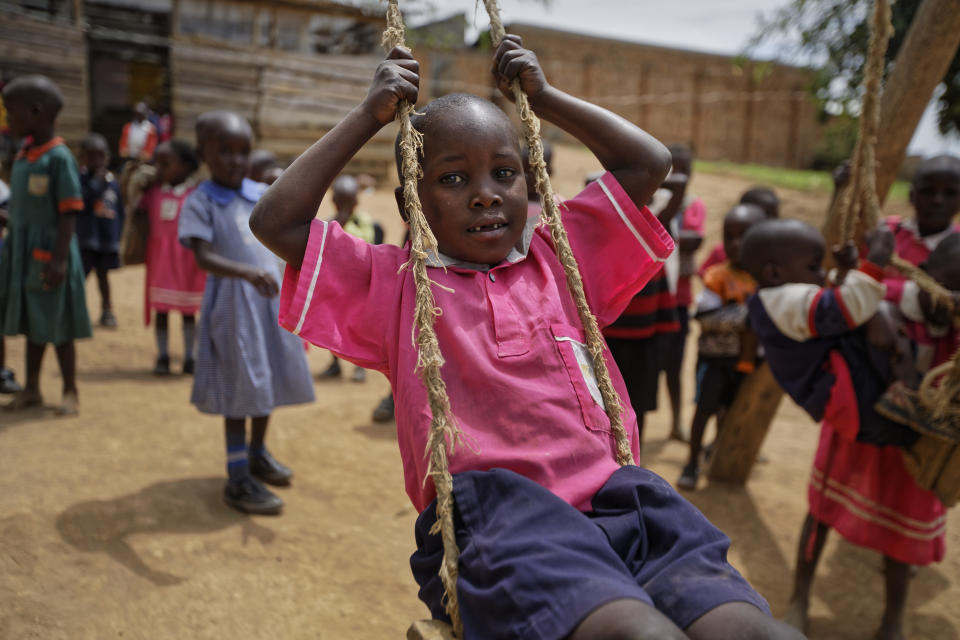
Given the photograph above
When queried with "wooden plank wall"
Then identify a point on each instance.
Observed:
(290, 100)
(29, 45)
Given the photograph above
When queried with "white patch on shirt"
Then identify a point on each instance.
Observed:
(169, 208)
(585, 362)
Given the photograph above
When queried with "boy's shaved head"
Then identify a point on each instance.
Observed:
(765, 198)
(262, 159)
(462, 111)
(937, 164)
(218, 122)
(35, 90)
(345, 185)
(94, 142)
(776, 242)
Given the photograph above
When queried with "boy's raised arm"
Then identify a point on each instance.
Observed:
(281, 219)
(638, 160)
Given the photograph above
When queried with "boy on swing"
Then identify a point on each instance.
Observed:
(557, 541)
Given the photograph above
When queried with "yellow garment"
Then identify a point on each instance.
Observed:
(361, 226)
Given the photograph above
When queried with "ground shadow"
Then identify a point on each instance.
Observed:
(190, 505)
(732, 509)
(850, 582)
(34, 414)
(138, 374)
(381, 431)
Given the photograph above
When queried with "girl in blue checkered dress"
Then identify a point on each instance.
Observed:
(246, 364)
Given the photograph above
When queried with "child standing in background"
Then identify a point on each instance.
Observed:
(763, 197)
(8, 382)
(360, 225)
(824, 352)
(41, 275)
(174, 282)
(100, 223)
(246, 364)
(935, 196)
(726, 350)
(687, 230)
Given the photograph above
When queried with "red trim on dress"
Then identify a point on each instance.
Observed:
(812, 314)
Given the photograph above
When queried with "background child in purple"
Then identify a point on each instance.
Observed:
(100, 223)
(539, 451)
(246, 365)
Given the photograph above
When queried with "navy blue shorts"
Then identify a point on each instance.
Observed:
(533, 567)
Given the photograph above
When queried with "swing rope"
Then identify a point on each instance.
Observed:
(859, 202)
(443, 430)
(550, 213)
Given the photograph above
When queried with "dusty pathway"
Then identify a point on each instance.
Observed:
(111, 524)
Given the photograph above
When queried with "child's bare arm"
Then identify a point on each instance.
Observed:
(639, 161)
(281, 219)
(56, 269)
(212, 262)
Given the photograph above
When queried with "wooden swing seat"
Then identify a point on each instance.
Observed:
(430, 630)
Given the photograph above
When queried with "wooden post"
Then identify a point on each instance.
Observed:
(746, 426)
(175, 19)
(78, 13)
(921, 64)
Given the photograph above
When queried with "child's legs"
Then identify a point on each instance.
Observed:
(626, 619)
(897, 581)
(711, 393)
(236, 436)
(34, 359)
(742, 621)
(258, 431)
(104, 285)
(67, 359)
(189, 335)
(161, 329)
(813, 535)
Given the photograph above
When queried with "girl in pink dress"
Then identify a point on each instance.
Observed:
(174, 282)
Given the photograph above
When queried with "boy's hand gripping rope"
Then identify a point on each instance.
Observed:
(859, 202)
(443, 431)
(550, 213)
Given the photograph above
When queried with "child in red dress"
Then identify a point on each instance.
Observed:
(174, 282)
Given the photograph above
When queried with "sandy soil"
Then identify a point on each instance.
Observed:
(112, 525)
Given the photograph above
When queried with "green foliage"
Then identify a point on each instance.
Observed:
(835, 34)
(839, 138)
(777, 177)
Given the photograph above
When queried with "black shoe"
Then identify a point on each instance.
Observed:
(7, 382)
(107, 319)
(189, 366)
(688, 477)
(162, 368)
(266, 467)
(249, 496)
(333, 371)
(384, 411)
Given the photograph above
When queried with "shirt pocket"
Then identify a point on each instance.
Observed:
(579, 365)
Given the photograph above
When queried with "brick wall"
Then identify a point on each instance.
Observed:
(751, 113)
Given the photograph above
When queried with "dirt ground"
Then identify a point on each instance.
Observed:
(112, 524)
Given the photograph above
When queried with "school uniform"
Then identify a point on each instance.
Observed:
(866, 493)
(174, 282)
(818, 352)
(912, 247)
(246, 365)
(722, 313)
(537, 448)
(44, 185)
(100, 223)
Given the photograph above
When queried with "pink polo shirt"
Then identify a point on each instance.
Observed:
(521, 386)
